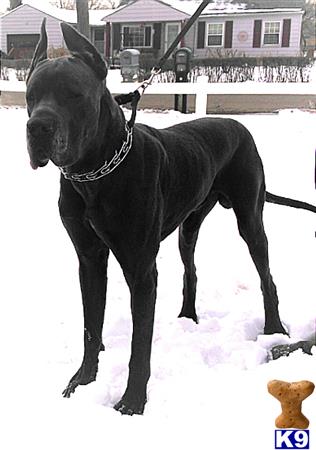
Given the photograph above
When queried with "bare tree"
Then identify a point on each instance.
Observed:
(309, 22)
(83, 17)
(15, 3)
(64, 4)
(92, 4)
(103, 4)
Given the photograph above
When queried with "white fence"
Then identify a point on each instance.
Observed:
(201, 89)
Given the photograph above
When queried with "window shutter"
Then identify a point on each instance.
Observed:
(182, 42)
(228, 42)
(157, 36)
(257, 34)
(116, 36)
(147, 36)
(107, 40)
(126, 37)
(201, 35)
(286, 34)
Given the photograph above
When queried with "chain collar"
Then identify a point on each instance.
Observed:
(107, 167)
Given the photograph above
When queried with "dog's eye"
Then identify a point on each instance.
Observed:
(29, 98)
(74, 95)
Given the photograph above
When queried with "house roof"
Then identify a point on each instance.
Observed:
(146, 11)
(150, 10)
(175, 10)
(96, 16)
(254, 12)
(219, 7)
(190, 6)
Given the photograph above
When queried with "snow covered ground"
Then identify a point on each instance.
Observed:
(208, 384)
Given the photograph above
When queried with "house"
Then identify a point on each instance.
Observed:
(20, 28)
(151, 25)
(250, 32)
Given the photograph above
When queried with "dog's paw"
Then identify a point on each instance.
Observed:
(85, 375)
(129, 408)
(189, 315)
(70, 389)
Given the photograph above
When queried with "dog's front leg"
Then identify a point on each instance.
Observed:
(93, 259)
(143, 297)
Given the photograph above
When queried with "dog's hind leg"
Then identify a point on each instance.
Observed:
(188, 234)
(187, 242)
(250, 225)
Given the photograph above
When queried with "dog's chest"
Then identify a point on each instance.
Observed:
(100, 211)
(104, 220)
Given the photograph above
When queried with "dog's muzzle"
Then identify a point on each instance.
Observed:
(41, 133)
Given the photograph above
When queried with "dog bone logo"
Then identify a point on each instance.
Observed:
(291, 396)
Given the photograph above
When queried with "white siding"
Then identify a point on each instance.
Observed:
(27, 20)
(243, 27)
(146, 10)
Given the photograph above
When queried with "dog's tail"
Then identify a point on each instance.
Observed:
(271, 198)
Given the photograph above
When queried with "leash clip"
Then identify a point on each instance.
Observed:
(154, 71)
(137, 94)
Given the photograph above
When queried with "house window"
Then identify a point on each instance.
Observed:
(137, 36)
(99, 39)
(215, 34)
(271, 33)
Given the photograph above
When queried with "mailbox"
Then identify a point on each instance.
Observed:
(182, 67)
(182, 63)
(129, 62)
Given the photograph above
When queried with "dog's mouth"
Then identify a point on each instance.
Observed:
(39, 155)
(36, 164)
(53, 149)
(57, 159)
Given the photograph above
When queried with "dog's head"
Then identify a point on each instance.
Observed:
(64, 100)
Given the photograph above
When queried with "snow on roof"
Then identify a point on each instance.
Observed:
(219, 7)
(66, 15)
(146, 10)
(254, 11)
(97, 16)
(190, 6)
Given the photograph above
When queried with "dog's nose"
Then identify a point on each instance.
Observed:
(38, 127)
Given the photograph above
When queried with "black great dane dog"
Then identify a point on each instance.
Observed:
(125, 190)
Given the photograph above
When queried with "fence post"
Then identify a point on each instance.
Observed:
(201, 96)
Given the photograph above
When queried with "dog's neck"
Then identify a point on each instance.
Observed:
(112, 134)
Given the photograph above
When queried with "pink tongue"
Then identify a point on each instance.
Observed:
(33, 165)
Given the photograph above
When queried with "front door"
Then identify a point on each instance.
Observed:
(172, 31)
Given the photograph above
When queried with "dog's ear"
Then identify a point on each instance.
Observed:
(81, 47)
(41, 49)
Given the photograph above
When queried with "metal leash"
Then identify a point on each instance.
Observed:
(134, 97)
